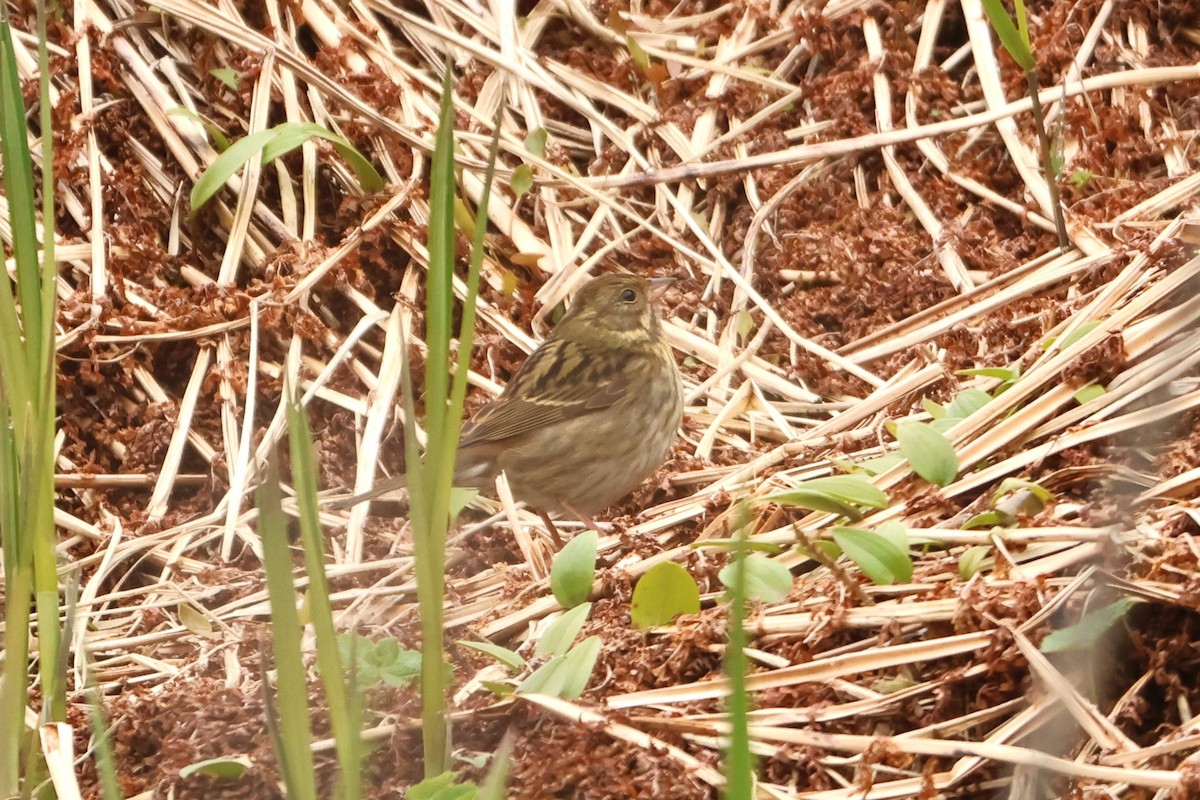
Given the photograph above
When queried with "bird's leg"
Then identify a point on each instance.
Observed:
(586, 519)
(551, 529)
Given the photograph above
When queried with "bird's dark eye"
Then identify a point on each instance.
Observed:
(628, 296)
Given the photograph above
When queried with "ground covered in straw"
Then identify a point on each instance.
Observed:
(850, 197)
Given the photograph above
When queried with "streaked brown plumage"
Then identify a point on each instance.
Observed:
(588, 416)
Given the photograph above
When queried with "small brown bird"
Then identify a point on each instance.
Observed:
(588, 416)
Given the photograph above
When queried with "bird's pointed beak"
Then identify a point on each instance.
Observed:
(658, 286)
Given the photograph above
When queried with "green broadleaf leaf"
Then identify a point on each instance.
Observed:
(402, 669)
(895, 532)
(381, 662)
(507, 657)
(460, 498)
(879, 559)
(546, 679)
(988, 519)
(766, 579)
(934, 409)
(944, 424)
(663, 593)
(229, 768)
(580, 662)
(441, 787)
(522, 180)
(1085, 633)
(574, 569)
(828, 549)
(579, 665)
(535, 142)
(567, 675)
(1089, 393)
(1010, 485)
(815, 501)
(967, 402)
(562, 632)
(850, 489)
(226, 75)
(971, 561)
(929, 452)
(836, 494)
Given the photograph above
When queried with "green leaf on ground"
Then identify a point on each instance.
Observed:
(567, 675)
(441, 787)
(574, 569)
(929, 452)
(878, 557)
(836, 494)
(973, 560)
(562, 632)
(663, 593)
(227, 768)
(766, 579)
(535, 142)
(507, 657)
(522, 180)
(1085, 633)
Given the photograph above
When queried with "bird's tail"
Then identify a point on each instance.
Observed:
(379, 491)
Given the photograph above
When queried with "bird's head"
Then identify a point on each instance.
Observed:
(614, 309)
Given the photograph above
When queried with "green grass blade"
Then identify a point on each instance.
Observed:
(1022, 23)
(1011, 38)
(18, 188)
(466, 332)
(343, 709)
(106, 760)
(43, 332)
(27, 421)
(225, 165)
(439, 287)
(739, 762)
(292, 689)
(430, 505)
(495, 785)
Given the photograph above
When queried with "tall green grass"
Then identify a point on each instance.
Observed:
(27, 393)
(429, 486)
(430, 479)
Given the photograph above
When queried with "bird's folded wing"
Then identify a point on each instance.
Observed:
(561, 380)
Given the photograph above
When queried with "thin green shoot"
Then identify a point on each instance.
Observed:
(1015, 39)
(738, 760)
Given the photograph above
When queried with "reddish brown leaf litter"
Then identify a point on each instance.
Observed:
(842, 256)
